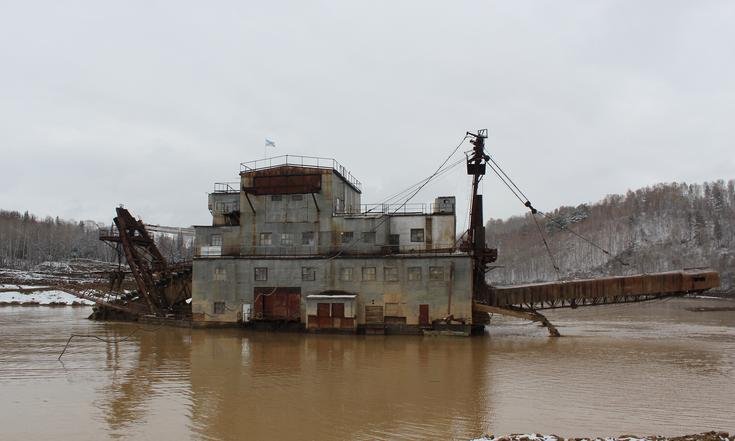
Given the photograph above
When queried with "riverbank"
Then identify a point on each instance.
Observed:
(706, 436)
(41, 298)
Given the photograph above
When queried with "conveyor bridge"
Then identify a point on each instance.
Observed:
(524, 301)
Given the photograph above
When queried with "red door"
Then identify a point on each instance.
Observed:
(338, 310)
(322, 315)
(424, 315)
(278, 303)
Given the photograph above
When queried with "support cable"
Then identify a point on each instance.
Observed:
(387, 215)
(410, 188)
(433, 175)
(548, 249)
(505, 179)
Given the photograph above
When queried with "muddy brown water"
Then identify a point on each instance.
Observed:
(643, 369)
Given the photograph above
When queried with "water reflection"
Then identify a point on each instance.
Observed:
(335, 387)
(652, 369)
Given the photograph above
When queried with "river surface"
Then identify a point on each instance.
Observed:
(637, 368)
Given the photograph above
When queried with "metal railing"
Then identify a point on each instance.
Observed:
(222, 207)
(226, 187)
(111, 231)
(414, 208)
(301, 161)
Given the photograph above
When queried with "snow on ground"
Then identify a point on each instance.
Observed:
(41, 298)
(13, 286)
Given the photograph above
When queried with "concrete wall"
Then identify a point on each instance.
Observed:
(220, 204)
(440, 229)
(231, 280)
(230, 238)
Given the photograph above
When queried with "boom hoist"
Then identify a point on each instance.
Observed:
(525, 301)
(163, 288)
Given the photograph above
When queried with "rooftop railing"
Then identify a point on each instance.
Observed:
(302, 161)
(226, 187)
(414, 208)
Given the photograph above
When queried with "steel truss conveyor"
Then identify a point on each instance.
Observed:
(524, 301)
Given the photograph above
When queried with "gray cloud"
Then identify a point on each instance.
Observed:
(149, 103)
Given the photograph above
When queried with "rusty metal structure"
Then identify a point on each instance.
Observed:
(162, 288)
(525, 301)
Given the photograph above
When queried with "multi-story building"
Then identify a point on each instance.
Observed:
(293, 243)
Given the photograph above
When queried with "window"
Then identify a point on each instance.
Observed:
(390, 274)
(266, 239)
(347, 236)
(345, 274)
(308, 273)
(417, 234)
(219, 307)
(368, 237)
(220, 274)
(276, 198)
(368, 273)
(307, 238)
(286, 239)
(436, 273)
(414, 273)
(339, 205)
(261, 274)
(297, 197)
(215, 240)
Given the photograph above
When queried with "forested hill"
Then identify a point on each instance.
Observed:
(659, 228)
(27, 240)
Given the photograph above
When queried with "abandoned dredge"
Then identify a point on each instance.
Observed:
(291, 245)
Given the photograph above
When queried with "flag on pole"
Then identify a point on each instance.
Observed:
(269, 143)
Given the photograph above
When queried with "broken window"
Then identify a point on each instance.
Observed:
(261, 274)
(390, 274)
(286, 239)
(417, 234)
(436, 273)
(414, 273)
(308, 273)
(297, 197)
(220, 274)
(219, 307)
(347, 236)
(368, 237)
(368, 273)
(215, 240)
(266, 238)
(339, 205)
(276, 198)
(307, 238)
(345, 274)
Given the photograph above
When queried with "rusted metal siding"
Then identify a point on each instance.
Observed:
(335, 313)
(285, 184)
(277, 304)
(610, 288)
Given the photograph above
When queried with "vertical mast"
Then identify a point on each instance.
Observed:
(481, 254)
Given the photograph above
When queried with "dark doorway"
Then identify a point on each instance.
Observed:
(424, 315)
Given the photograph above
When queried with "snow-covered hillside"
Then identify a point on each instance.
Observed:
(659, 228)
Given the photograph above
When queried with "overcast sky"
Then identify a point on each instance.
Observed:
(149, 103)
